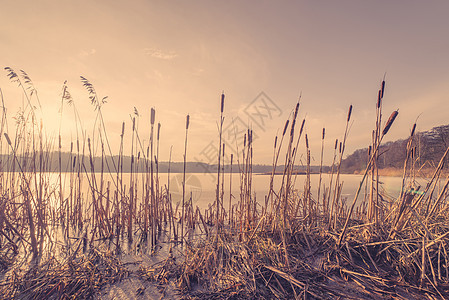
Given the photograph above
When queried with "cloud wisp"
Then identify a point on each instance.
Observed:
(161, 54)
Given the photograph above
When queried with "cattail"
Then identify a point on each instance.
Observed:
(336, 143)
(296, 110)
(187, 121)
(285, 127)
(223, 149)
(413, 130)
(222, 102)
(369, 150)
(292, 130)
(153, 116)
(244, 140)
(383, 88)
(123, 129)
(275, 141)
(7, 138)
(307, 142)
(302, 126)
(390, 122)
(339, 148)
(158, 130)
(349, 112)
(250, 137)
(324, 133)
(134, 124)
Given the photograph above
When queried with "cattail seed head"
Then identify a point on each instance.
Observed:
(292, 129)
(285, 127)
(123, 129)
(324, 133)
(302, 126)
(7, 138)
(158, 130)
(307, 142)
(296, 110)
(349, 112)
(390, 122)
(134, 124)
(153, 116)
(187, 122)
(275, 141)
(222, 102)
(224, 149)
(413, 130)
(383, 88)
(339, 148)
(336, 144)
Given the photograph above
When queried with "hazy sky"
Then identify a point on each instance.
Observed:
(178, 56)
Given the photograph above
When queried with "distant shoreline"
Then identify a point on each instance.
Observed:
(398, 172)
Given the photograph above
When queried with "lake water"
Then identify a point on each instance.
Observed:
(202, 187)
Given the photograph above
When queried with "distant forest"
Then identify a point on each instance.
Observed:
(49, 162)
(428, 146)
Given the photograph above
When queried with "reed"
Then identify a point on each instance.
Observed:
(321, 169)
(184, 180)
(217, 198)
(295, 243)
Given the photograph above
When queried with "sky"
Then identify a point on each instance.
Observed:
(179, 56)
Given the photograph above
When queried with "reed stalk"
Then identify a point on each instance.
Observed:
(217, 198)
(184, 180)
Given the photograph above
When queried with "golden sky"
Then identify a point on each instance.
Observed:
(178, 56)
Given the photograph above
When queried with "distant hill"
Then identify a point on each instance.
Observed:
(429, 147)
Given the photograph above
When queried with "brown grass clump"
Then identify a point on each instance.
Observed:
(77, 278)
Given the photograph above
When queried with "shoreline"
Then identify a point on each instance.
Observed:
(398, 172)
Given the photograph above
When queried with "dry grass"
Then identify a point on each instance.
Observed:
(289, 245)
